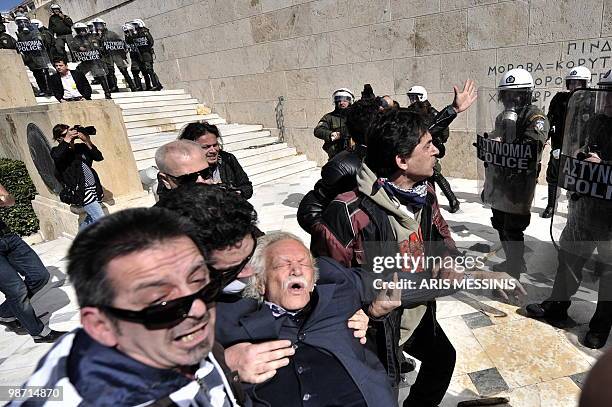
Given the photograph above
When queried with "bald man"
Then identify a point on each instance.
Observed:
(182, 162)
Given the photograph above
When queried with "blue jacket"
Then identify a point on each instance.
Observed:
(341, 292)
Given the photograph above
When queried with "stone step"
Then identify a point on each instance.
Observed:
(233, 128)
(283, 172)
(137, 99)
(174, 108)
(279, 163)
(124, 96)
(160, 115)
(166, 126)
(253, 152)
(163, 121)
(134, 108)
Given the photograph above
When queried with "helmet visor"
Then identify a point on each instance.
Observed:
(341, 98)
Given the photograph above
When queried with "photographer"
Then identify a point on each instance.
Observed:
(224, 166)
(73, 162)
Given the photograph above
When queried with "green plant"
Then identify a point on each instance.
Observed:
(15, 178)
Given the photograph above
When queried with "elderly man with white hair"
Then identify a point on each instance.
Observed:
(292, 297)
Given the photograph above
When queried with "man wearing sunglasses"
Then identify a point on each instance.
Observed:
(147, 302)
(182, 162)
(229, 246)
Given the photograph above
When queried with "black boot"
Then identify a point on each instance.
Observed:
(104, 82)
(155, 81)
(128, 79)
(147, 81)
(453, 202)
(550, 206)
(137, 81)
(551, 311)
(112, 82)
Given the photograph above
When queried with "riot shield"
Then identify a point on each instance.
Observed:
(32, 48)
(584, 233)
(508, 158)
(87, 51)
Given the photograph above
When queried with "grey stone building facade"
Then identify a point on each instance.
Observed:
(239, 56)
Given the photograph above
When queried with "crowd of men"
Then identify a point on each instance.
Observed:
(96, 49)
(190, 303)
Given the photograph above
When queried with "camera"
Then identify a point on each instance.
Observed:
(87, 130)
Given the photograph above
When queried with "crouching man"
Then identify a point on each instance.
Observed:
(148, 316)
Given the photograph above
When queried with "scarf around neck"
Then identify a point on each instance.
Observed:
(415, 196)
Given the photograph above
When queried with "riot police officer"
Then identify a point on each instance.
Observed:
(47, 38)
(520, 131)
(588, 144)
(60, 25)
(417, 96)
(143, 40)
(129, 31)
(86, 48)
(576, 78)
(32, 49)
(332, 127)
(6, 41)
(114, 54)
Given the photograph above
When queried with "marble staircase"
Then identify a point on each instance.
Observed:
(155, 118)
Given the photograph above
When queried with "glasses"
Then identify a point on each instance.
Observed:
(168, 313)
(230, 274)
(191, 178)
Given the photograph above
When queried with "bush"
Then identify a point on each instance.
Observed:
(15, 178)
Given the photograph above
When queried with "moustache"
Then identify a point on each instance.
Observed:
(295, 280)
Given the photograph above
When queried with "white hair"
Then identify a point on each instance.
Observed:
(258, 263)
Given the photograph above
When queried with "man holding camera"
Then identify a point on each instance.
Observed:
(73, 161)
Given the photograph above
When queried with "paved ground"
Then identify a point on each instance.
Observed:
(532, 363)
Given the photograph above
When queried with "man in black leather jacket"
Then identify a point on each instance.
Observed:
(339, 174)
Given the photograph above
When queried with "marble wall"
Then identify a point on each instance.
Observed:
(239, 56)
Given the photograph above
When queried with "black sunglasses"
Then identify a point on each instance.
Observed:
(205, 173)
(168, 313)
(228, 275)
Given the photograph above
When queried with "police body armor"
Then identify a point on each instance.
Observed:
(509, 146)
(583, 222)
(88, 51)
(32, 48)
(114, 48)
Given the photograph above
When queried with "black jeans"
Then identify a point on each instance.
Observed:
(430, 345)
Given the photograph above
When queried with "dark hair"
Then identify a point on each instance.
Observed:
(359, 116)
(221, 217)
(113, 236)
(195, 130)
(58, 131)
(60, 59)
(394, 132)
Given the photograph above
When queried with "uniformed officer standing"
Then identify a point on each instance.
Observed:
(129, 32)
(32, 49)
(86, 48)
(586, 173)
(6, 41)
(60, 25)
(47, 38)
(143, 40)
(332, 127)
(520, 127)
(576, 78)
(114, 54)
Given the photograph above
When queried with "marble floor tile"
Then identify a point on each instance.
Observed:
(471, 356)
(528, 352)
(488, 382)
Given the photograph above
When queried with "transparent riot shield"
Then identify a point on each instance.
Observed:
(508, 157)
(32, 48)
(88, 52)
(583, 230)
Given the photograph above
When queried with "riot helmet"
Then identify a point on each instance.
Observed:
(417, 94)
(603, 100)
(515, 89)
(128, 28)
(80, 29)
(55, 8)
(23, 24)
(343, 94)
(99, 25)
(138, 23)
(90, 27)
(579, 77)
(37, 23)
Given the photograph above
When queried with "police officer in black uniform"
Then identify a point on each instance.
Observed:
(60, 25)
(32, 49)
(589, 217)
(129, 32)
(510, 191)
(114, 54)
(576, 78)
(6, 41)
(143, 40)
(87, 49)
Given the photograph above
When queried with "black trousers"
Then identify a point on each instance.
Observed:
(552, 171)
(42, 79)
(431, 346)
(510, 227)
